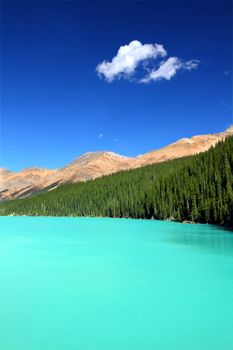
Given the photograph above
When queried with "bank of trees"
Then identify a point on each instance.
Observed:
(197, 188)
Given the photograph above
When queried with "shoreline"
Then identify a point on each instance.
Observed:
(186, 222)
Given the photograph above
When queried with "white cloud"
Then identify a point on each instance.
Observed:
(100, 136)
(128, 58)
(169, 68)
(192, 64)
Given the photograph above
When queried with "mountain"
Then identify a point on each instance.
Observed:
(89, 166)
(184, 147)
(96, 164)
(198, 188)
(16, 185)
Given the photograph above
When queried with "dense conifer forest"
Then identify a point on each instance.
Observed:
(198, 188)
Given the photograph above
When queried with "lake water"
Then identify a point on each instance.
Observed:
(114, 284)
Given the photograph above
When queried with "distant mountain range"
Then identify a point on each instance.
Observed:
(96, 164)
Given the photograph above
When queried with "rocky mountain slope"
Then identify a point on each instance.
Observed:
(96, 164)
(184, 147)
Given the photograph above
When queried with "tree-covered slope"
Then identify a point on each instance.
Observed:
(197, 188)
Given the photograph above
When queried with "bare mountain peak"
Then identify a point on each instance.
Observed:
(34, 170)
(91, 156)
(103, 153)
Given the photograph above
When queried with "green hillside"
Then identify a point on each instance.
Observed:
(197, 188)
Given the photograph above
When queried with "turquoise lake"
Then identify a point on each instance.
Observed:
(114, 284)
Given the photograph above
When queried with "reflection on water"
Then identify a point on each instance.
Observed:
(210, 238)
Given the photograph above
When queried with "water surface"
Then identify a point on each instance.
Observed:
(113, 284)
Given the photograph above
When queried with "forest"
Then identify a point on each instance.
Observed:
(197, 188)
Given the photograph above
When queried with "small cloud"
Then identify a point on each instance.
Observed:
(189, 65)
(128, 58)
(99, 136)
(169, 68)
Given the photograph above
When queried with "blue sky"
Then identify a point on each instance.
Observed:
(55, 106)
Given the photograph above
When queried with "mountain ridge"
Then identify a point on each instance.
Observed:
(91, 165)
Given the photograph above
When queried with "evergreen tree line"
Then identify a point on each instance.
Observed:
(198, 188)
